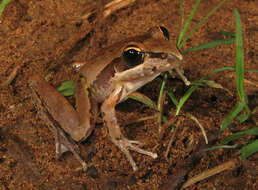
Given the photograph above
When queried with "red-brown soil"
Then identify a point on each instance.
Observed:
(46, 37)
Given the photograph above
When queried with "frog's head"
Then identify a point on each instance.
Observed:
(155, 50)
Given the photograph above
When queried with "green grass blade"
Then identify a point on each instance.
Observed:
(213, 84)
(252, 131)
(160, 104)
(182, 15)
(249, 149)
(161, 92)
(67, 88)
(243, 117)
(210, 45)
(251, 70)
(232, 114)
(145, 100)
(221, 146)
(227, 33)
(196, 84)
(173, 98)
(216, 71)
(200, 23)
(239, 59)
(184, 98)
(3, 5)
(189, 19)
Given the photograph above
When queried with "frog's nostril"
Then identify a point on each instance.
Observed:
(154, 69)
(180, 57)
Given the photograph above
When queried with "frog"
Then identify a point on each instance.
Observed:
(103, 82)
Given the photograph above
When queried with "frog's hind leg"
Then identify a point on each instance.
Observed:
(64, 144)
(62, 141)
(60, 117)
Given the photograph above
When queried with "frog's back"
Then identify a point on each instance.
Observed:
(95, 65)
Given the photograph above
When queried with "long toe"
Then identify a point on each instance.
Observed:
(125, 145)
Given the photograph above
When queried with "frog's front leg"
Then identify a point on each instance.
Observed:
(109, 116)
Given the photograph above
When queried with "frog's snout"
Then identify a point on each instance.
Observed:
(173, 58)
(177, 56)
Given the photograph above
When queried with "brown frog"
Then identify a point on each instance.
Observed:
(106, 79)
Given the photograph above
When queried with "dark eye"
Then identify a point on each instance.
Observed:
(164, 31)
(133, 56)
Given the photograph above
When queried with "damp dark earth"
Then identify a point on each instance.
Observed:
(46, 37)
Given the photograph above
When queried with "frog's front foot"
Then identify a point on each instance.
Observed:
(125, 145)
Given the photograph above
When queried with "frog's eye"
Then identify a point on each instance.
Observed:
(164, 31)
(133, 56)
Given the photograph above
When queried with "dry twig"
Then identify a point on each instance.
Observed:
(172, 139)
(200, 125)
(110, 7)
(211, 172)
(11, 76)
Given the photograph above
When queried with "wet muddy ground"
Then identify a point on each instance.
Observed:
(46, 37)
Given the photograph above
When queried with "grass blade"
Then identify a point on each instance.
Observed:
(3, 5)
(189, 19)
(196, 84)
(216, 71)
(199, 125)
(173, 98)
(182, 14)
(243, 117)
(67, 88)
(143, 99)
(200, 23)
(249, 149)
(213, 84)
(251, 70)
(221, 146)
(239, 59)
(161, 92)
(232, 114)
(162, 96)
(210, 45)
(184, 98)
(252, 131)
(227, 33)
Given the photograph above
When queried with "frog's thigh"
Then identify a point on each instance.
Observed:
(86, 109)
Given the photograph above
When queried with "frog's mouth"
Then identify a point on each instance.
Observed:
(171, 57)
(162, 62)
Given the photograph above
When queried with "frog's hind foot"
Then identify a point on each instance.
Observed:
(64, 144)
(125, 145)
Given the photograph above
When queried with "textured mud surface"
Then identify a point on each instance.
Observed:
(46, 37)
